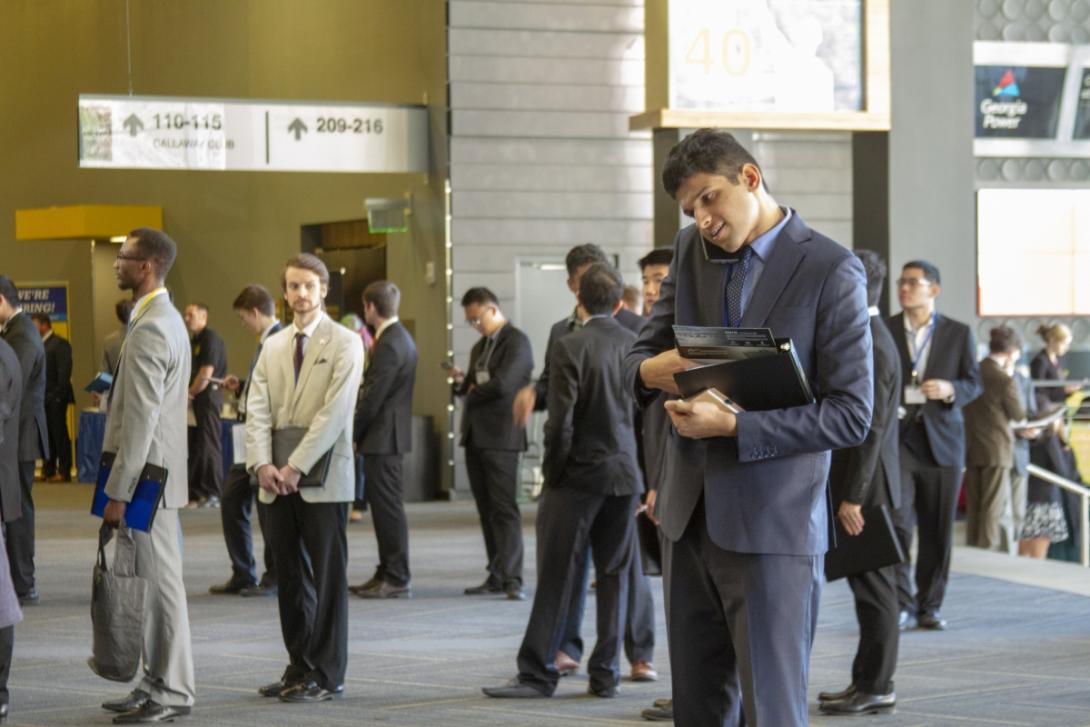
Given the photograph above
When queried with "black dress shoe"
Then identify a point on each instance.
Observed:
(309, 691)
(277, 688)
(834, 696)
(386, 590)
(152, 713)
(861, 703)
(365, 586)
(486, 587)
(906, 621)
(258, 590)
(662, 711)
(931, 620)
(514, 689)
(30, 598)
(514, 591)
(605, 692)
(230, 588)
(133, 700)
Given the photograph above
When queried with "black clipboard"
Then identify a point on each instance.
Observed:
(876, 547)
(284, 442)
(762, 383)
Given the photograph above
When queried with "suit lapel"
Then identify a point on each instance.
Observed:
(778, 269)
(937, 347)
(711, 281)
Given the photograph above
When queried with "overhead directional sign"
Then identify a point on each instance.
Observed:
(156, 132)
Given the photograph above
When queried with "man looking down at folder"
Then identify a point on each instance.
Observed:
(299, 422)
(743, 501)
(146, 423)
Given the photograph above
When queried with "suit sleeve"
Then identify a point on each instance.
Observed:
(7, 402)
(143, 383)
(656, 336)
(377, 383)
(541, 386)
(862, 461)
(1012, 403)
(563, 394)
(512, 371)
(259, 414)
(463, 388)
(340, 398)
(968, 385)
(64, 370)
(843, 373)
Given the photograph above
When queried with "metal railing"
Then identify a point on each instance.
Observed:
(1084, 506)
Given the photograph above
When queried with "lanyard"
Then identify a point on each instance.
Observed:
(490, 346)
(917, 353)
(136, 316)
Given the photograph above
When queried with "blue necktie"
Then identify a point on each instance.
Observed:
(732, 311)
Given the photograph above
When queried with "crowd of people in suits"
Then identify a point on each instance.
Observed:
(745, 501)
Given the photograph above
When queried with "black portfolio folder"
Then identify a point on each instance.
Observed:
(650, 549)
(772, 381)
(876, 547)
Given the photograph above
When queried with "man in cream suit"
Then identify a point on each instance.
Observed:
(307, 377)
(146, 423)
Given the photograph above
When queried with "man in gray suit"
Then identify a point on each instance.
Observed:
(306, 379)
(146, 423)
(21, 335)
(743, 501)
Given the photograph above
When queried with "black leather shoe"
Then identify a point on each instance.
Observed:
(133, 700)
(152, 713)
(486, 587)
(861, 703)
(906, 621)
(258, 590)
(662, 711)
(30, 598)
(514, 591)
(230, 588)
(514, 689)
(386, 590)
(310, 691)
(834, 696)
(605, 692)
(365, 586)
(277, 688)
(931, 620)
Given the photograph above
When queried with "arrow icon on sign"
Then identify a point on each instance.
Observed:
(133, 124)
(297, 127)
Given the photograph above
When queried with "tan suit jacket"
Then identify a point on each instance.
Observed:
(323, 400)
(988, 437)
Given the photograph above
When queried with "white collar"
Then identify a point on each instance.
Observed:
(385, 324)
(47, 336)
(309, 330)
(268, 331)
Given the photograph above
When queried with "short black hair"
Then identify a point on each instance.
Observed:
(123, 309)
(42, 318)
(201, 307)
(600, 288)
(255, 297)
(705, 151)
(930, 272)
(157, 247)
(9, 291)
(480, 296)
(1003, 339)
(385, 296)
(876, 270)
(658, 256)
(585, 254)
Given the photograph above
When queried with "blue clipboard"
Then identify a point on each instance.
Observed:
(140, 511)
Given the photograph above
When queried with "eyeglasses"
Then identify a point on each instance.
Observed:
(476, 321)
(912, 282)
(134, 258)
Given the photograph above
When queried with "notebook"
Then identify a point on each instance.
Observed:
(140, 511)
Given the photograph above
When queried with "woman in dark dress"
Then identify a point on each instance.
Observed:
(1045, 366)
(1045, 522)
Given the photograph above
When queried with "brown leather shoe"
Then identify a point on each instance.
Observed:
(565, 665)
(60, 478)
(643, 671)
(386, 590)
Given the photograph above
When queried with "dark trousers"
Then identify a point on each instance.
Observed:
(7, 648)
(310, 549)
(493, 477)
(205, 449)
(383, 492)
(568, 522)
(60, 445)
(877, 611)
(20, 535)
(740, 628)
(639, 627)
(929, 499)
(239, 498)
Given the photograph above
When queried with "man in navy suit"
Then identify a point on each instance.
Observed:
(743, 501)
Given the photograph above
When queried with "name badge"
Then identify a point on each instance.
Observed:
(483, 377)
(914, 395)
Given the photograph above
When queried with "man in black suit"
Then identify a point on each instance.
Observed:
(591, 483)
(257, 313)
(58, 395)
(500, 365)
(11, 394)
(205, 446)
(863, 479)
(383, 434)
(21, 335)
(941, 375)
(639, 634)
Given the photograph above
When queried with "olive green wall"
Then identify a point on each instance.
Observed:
(232, 228)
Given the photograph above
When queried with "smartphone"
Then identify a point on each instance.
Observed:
(714, 396)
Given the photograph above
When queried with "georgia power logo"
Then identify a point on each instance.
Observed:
(1005, 108)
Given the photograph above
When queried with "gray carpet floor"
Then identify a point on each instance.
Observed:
(1015, 654)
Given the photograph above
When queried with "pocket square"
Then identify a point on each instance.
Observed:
(321, 361)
